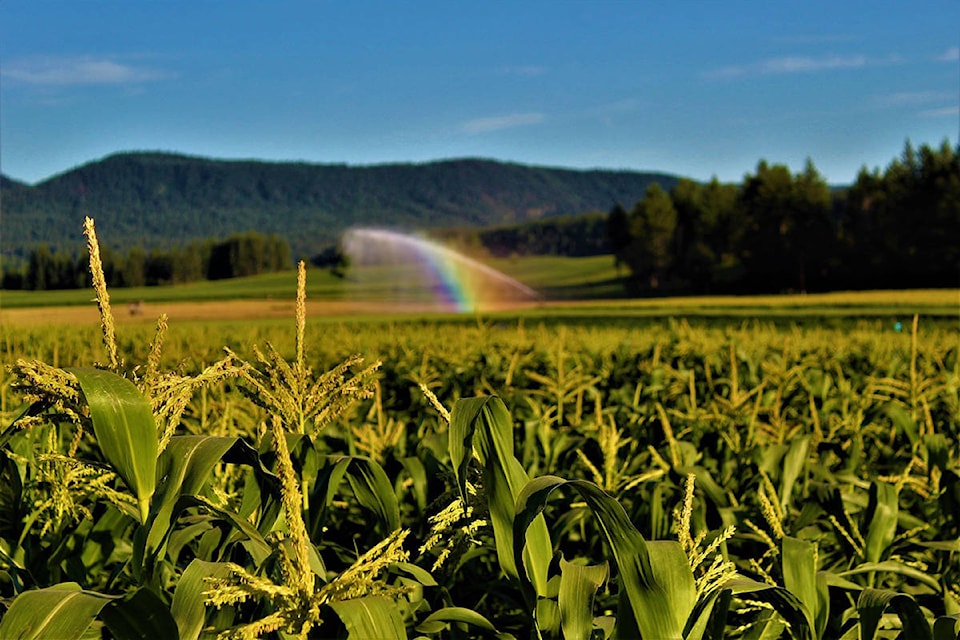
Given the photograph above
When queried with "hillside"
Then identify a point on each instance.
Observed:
(160, 199)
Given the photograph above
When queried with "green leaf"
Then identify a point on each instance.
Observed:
(60, 612)
(12, 508)
(419, 574)
(793, 464)
(892, 566)
(783, 601)
(370, 485)
(440, 619)
(484, 424)
(418, 474)
(187, 607)
(125, 430)
(370, 617)
(706, 482)
(578, 588)
(184, 467)
(881, 519)
(947, 628)
(141, 616)
(252, 541)
(373, 490)
(873, 602)
(799, 562)
(658, 591)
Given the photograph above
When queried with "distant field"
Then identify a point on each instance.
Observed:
(555, 277)
(571, 288)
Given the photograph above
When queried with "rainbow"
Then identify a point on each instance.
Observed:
(450, 279)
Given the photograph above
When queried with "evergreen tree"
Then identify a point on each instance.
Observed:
(653, 224)
(618, 232)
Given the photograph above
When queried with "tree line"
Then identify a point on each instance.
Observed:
(241, 254)
(779, 231)
(574, 236)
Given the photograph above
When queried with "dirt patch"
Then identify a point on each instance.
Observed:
(215, 311)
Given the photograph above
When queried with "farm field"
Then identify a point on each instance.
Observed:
(589, 276)
(755, 467)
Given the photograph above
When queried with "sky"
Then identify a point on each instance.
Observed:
(694, 88)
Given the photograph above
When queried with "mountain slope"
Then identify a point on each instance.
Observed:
(159, 199)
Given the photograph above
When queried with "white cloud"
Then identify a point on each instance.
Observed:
(80, 70)
(793, 64)
(814, 39)
(524, 70)
(950, 55)
(945, 112)
(911, 98)
(496, 123)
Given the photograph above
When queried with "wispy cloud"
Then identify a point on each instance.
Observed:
(796, 64)
(496, 123)
(821, 38)
(945, 112)
(911, 98)
(914, 100)
(950, 55)
(60, 71)
(524, 70)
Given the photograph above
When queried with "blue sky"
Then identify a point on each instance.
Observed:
(692, 88)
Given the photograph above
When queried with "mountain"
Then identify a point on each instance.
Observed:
(162, 199)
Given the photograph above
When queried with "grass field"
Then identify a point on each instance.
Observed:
(569, 286)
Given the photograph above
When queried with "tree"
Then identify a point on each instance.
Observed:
(653, 224)
(135, 268)
(900, 226)
(39, 269)
(618, 231)
(708, 234)
(814, 235)
(787, 226)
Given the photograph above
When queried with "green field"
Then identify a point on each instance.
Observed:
(554, 277)
(695, 468)
(569, 287)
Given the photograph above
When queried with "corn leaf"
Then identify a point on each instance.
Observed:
(702, 620)
(187, 608)
(892, 566)
(484, 424)
(657, 594)
(418, 474)
(784, 602)
(60, 612)
(873, 602)
(440, 620)
(183, 468)
(947, 628)
(254, 543)
(793, 464)
(12, 508)
(370, 485)
(881, 519)
(374, 490)
(800, 578)
(370, 617)
(125, 429)
(706, 482)
(578, 588)
(141, 616)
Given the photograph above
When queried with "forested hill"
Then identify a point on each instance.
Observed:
(160, 199)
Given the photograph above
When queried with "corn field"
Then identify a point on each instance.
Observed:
(663, 481)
